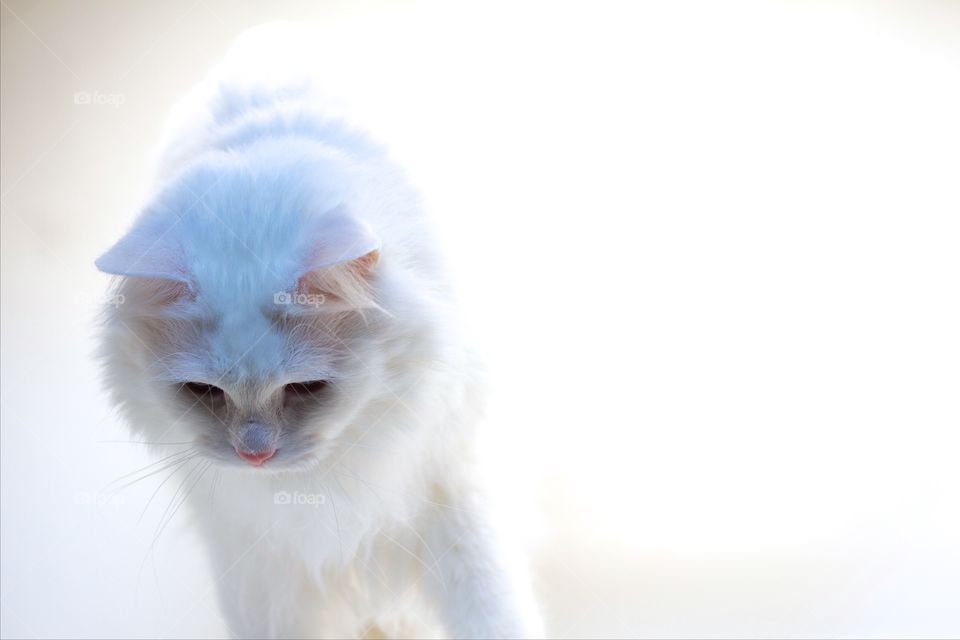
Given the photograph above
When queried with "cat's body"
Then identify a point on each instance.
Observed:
(285, 312)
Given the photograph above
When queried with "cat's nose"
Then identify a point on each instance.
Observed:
(256, 458)
(255, 444)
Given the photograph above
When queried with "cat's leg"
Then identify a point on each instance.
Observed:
(479, 582)
(263, 593)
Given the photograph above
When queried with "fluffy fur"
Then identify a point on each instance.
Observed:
(285, 262)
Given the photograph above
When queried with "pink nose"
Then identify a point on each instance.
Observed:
(256, 458)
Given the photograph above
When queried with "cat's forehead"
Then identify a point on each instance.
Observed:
(256, 343)
(247, 344)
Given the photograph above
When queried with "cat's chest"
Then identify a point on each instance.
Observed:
(333, 525)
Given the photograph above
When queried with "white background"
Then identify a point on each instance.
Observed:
(709, 249)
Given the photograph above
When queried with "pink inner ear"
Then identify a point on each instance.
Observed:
(347, 284)
(163, 292)
(339, 261)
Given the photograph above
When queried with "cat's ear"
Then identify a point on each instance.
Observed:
(338, 238)
(148, 250)
(341, 260)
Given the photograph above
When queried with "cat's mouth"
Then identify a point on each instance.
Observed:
(257, 458)
(273, 457)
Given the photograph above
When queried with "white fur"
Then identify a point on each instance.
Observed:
(372, 516)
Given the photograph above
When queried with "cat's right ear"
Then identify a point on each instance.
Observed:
(147, 251)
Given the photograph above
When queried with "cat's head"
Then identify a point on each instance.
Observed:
(250, 318)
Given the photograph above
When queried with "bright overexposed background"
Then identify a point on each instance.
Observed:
(711, 252)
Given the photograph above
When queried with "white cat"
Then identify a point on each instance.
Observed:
(285, 313)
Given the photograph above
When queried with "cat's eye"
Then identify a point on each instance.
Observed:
(305, 389)
(203, 390)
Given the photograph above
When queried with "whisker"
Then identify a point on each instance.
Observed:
(174, 505)
(337, 520)
(156, 491)
(163, 521)
(144, 468)
(109, 490)
(218, 475)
